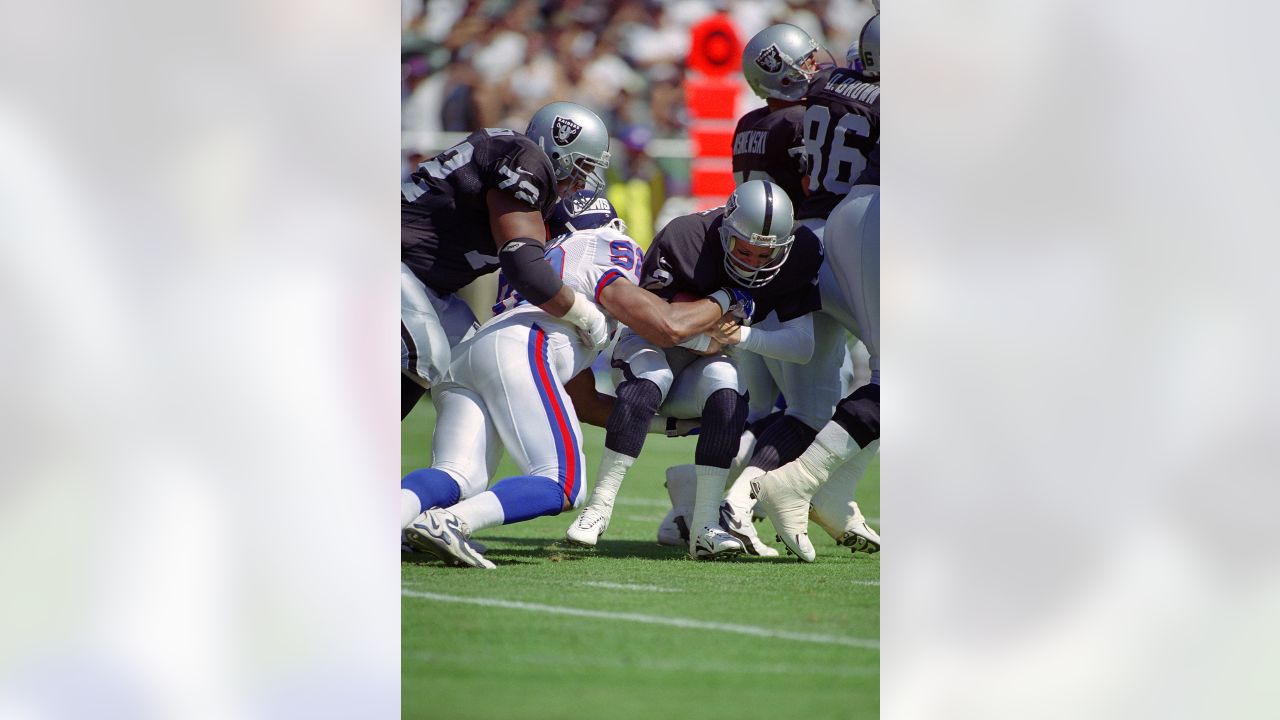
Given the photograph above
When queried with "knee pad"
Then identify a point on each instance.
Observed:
(723, 419)
(859, 414)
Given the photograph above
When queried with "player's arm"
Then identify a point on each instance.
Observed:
(520, 235)
(792, 342)
(664, 324)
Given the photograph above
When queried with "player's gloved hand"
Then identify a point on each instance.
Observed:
(737, 301)
(591, 323)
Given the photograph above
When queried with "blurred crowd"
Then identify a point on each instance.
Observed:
(468, 64)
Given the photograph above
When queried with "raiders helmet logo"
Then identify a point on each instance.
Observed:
(731, 205)
(770, 59)
(565, 131)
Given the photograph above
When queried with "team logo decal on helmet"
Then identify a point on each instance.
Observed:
(565, 131)
(732, 204)
(770, 59)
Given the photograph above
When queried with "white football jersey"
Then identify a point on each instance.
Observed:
(588, 260)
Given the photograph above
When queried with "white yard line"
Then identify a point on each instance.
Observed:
(627, 586)
(649, 619)
(867, 582)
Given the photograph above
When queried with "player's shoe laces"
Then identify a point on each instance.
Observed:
(440, 532)
(715, 544)
(406, 548)
(737, 522)
(854, 533)
(674, 530)
(788, 510)
(587, 528)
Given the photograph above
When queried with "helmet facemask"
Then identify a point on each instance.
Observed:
(742, 272)
(582, 173)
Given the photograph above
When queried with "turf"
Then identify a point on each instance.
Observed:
(468, 661)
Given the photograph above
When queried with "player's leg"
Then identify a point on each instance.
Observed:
(430, 325)
(681, 479)
(644, 376)
(835, 507)
(785, 493)
(464, 454)
(710, 387)
(540, 430)
(811, 391)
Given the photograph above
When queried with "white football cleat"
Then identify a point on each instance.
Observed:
(737, 523)
(851, 531)
(587, 528)
(788, 510)
(715, 544)
(441, 533)
(674, 530)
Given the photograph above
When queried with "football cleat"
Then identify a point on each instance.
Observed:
(715, 544)
(852, 532)
(587, 528)
(738, 524)
(674, 530)
(788, 510)
(441, 533)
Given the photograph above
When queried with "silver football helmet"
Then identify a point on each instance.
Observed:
(867, 49)
(779, 62)
(759, 214)
(577, 142)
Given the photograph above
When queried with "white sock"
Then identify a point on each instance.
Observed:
(682, 483)
(746, 446)
(835, 499)
(706, 504)
(480, 512)
(410, 507)
(613, 468)
(739, 494)
(830, 449)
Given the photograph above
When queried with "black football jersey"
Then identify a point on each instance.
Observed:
(841, 138)
(445, 236)
(687, 257)
(769, 143)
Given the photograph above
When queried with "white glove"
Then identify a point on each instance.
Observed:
(591, 323)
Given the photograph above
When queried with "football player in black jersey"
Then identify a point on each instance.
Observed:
(853, 260)
(746, 249)
(778, 64)
(481, 205)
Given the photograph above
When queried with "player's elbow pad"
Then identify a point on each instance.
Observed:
(528, 271)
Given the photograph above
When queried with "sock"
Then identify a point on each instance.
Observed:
(526, 497)
(834, 501)
(410, 507)
(682, 483)
(739, 494)
(613, 468)
(746, 446)
(781, 443)
(706, 503)
(830, 449)
(481, 511)
(431, 487)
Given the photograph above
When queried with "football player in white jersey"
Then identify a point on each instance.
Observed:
(506, 387)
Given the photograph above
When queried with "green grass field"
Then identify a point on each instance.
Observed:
(498, 644)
